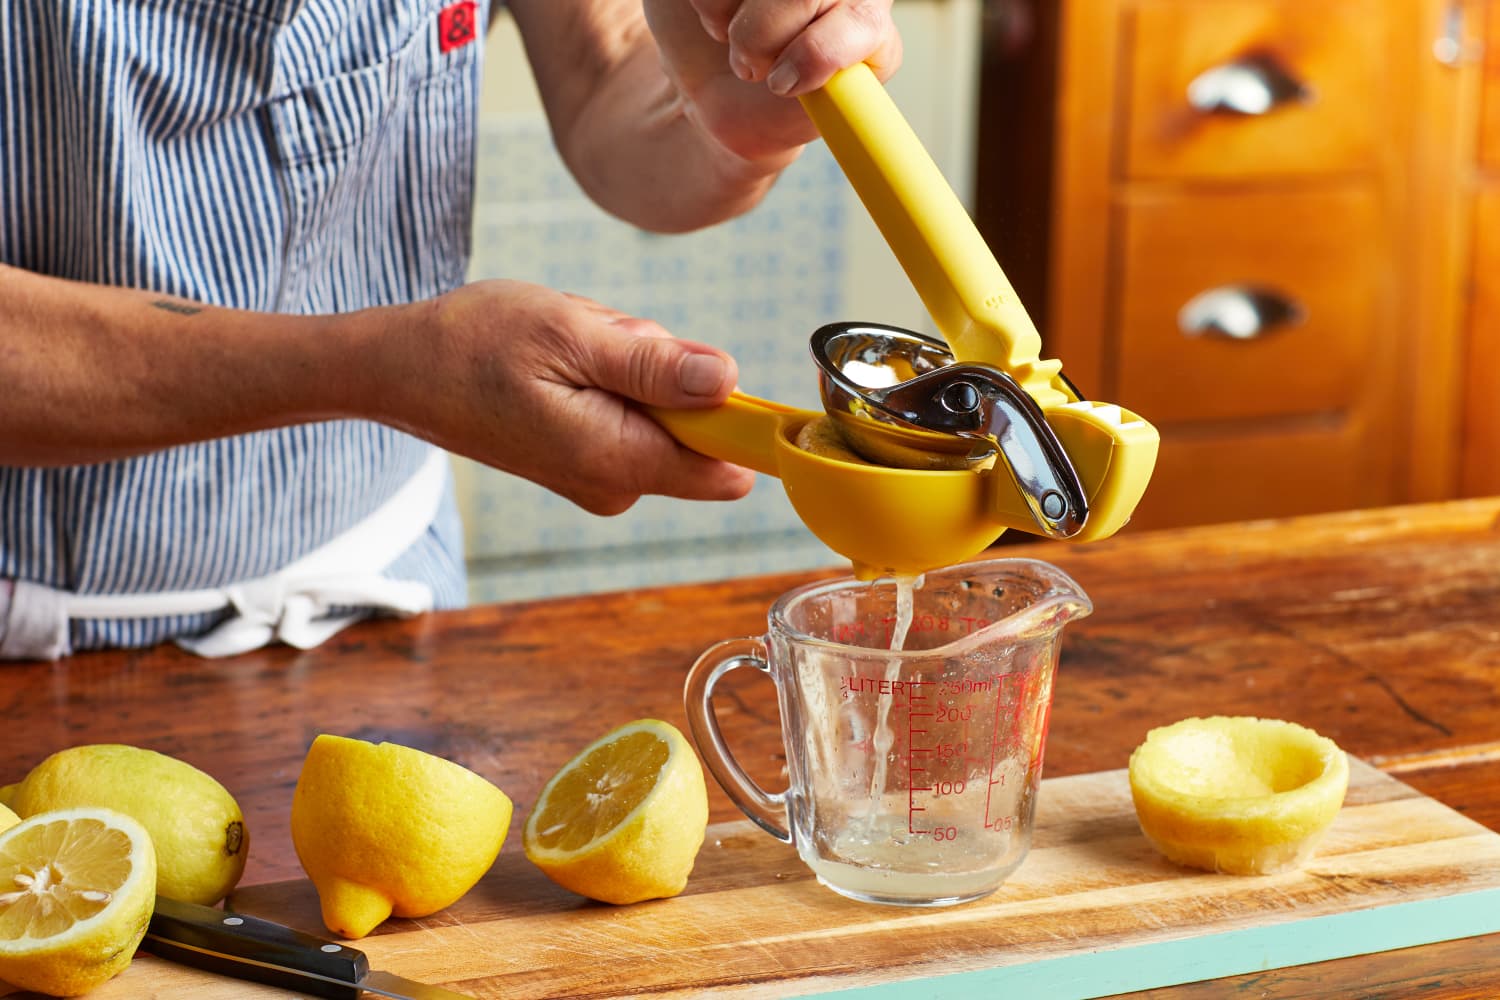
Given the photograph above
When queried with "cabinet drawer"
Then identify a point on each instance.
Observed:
(1208, 478)
(1488, 146)
(1248, 53)
(1324, 252)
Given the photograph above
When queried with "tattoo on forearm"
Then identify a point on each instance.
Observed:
(181, 308)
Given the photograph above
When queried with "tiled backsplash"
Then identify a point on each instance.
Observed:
(757, 286)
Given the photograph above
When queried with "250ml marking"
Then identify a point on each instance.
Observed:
(942, 754)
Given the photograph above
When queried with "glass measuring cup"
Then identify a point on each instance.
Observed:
(912, 772)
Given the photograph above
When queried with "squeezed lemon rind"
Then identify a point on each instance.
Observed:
(1240, 835)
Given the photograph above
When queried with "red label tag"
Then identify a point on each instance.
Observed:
(456, 25)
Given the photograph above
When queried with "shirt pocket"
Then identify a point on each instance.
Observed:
(375, 171)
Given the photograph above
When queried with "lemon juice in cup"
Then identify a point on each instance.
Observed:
(944, 812)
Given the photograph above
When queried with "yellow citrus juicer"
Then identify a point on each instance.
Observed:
(1066, 467)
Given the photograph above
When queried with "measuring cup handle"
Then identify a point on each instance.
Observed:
(767, 809)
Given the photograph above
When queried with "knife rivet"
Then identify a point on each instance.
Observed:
(331, 948)
(233, 921)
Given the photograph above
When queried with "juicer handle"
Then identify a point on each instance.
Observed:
(929, 230)
(743, 429)
(767, 809)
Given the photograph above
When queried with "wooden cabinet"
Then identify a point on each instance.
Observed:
(1480, 464)
(1328, 57)
(1257, 223)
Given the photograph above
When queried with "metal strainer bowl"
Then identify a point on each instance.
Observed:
(899, 398)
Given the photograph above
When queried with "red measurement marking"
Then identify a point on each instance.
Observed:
(994, 751)
(915, 695)
(1040, 746)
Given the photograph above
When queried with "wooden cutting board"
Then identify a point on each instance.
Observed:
(1093, 911)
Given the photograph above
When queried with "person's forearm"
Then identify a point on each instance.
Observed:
(627, 135)
(666, 174)
(93, 373)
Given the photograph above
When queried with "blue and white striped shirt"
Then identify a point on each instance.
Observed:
(297, 156)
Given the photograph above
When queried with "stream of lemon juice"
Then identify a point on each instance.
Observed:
(884, 737)
(881, 856)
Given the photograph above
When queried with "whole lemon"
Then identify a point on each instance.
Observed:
(195, 824)
(384, 829)
(80, 887)
(8, 819)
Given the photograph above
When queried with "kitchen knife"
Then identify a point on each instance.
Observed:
(245, 947)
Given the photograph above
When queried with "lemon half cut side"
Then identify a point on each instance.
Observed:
(197, 828)
(77, 888)
(624, 819)
(1237, 794)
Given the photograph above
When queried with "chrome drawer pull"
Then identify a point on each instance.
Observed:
(1453, 46)
(1238, 312)
(1255, 84)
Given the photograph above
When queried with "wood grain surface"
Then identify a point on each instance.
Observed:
(1378, 629)
(755, 924)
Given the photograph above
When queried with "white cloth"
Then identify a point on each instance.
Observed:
(294, 605)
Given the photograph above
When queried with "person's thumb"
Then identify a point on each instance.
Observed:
(664, 371)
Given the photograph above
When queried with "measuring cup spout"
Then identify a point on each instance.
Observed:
(1046, 599)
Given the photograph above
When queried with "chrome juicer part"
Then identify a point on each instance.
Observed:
(899, 398)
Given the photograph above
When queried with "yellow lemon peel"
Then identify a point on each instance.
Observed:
(1237, 794)
(196, 826)
(624, 819)
(77, 888)
(387, 830)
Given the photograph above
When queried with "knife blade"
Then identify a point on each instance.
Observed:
(246, 947)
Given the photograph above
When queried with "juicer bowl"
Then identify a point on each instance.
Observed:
(857, 359)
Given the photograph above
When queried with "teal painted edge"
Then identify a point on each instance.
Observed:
(1230, 953)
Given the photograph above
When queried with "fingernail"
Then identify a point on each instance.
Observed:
(701, 374)
(742, 67)
(782, 79)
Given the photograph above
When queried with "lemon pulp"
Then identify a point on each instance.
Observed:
(623, 820)
(600, 789)
(77, 888)
(197, 829)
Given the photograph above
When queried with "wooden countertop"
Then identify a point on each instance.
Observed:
(1379, 629)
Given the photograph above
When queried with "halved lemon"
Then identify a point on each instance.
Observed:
(386, 829)
(624, 819)
(77, 887)
(1237, 794)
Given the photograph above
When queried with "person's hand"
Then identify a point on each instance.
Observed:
(736, 62)
(546, 385)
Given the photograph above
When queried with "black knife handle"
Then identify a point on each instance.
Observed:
(233, 944)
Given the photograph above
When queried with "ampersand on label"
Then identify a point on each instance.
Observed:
(457, 25)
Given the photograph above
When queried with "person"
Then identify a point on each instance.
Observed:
(237, 339)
